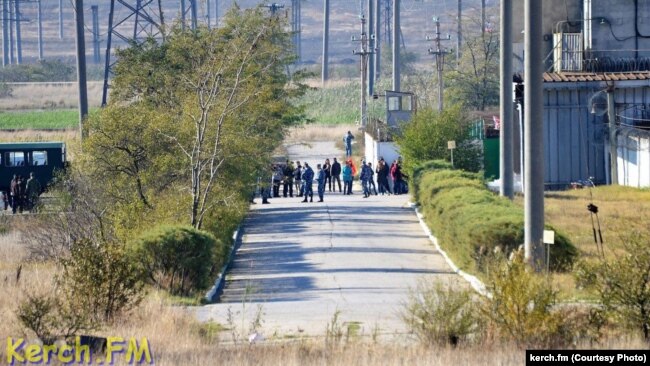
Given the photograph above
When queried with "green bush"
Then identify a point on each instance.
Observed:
(179, 259)
(43, 71)
(471, 222)
(442, 314)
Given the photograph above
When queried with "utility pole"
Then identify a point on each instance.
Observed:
(459, 38)
(194, 14)
(296, 26)
(371, 43)
(95, 11)
(396, 32)
(326, 40)
(506, 165)
(364, 54)
(19, 41)
(440, 53)
(274, 7)
(5, 33)
(377, 39)
(387, 22)
(207, 12)
(216, 13)
(40, 29)
(534, 137)
(60, 19)
(81, 64)
(12, 60)
(483, 18)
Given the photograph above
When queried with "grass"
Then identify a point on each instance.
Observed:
(620, 208)
(40, 119)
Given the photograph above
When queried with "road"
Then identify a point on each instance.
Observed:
(304, 262)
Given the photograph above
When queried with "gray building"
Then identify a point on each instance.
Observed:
(596, 92)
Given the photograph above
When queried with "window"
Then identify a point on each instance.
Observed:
(39, 158)
(406, 102)
(16, 158)
(394, 103)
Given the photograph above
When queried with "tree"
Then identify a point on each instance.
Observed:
(425, 138)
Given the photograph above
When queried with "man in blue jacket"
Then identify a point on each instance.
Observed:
(307, 180)
(321, 182)
(347, 139)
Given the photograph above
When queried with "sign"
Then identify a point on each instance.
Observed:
(549, 237)
(451, 145)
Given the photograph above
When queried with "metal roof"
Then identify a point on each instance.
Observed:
(32, 145)
(568, 77)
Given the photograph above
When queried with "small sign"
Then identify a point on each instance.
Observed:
(451, 145)
(549, 237)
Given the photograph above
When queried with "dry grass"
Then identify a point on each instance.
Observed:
(311, 132)
(620, 208)
(50, 95)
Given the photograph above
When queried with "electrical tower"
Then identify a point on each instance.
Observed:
(364, 54)
(274, 7)
(135, 20)
(440, 53)
(296, 27)
(388, 19)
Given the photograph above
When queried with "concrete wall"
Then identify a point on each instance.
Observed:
(633, 148)
(374, 150)
(620, 21)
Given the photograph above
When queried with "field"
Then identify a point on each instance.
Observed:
(40, 119)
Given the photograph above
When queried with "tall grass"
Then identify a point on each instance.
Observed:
(40, 119)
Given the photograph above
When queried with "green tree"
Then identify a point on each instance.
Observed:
(425, 138)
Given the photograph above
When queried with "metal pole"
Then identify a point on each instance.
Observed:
(5, 33)
(611, 116)
(396, 29)
(459, 38)
(208, 10)
(138, 6)
(377, 39)
(326, 32)
(534, 136)
(371, 41)
(60, 19)
(95, 10)
(19, 41)
(183, 14)
(107, 60)
(364, 65)
(193, 13)
(216, 13)
(483, 18)
(439, 65)
(40, 30)
(12, 58)
(507, 161)
(81, 64)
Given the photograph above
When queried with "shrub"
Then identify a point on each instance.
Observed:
(179, 259)
(101, 278)
(6, 91)
(623, 283)
(441, 314)
(521, 306)
(472, 222)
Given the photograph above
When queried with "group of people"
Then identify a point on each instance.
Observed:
(389, 179)
(23, 194)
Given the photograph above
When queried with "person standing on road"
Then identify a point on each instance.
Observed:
(327, 167)
(335, 173)
(382, 177)
(347, 139)
(365, 176)
(278, 174)
(33, 191)
(288, 179)
(371, 183)
(393, 177)
(297, 178)
(307, 180)
(347, 178)
(321, 178)
(14, 192)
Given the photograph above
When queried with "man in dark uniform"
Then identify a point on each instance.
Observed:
(307, 180)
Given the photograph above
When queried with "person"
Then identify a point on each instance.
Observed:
(393, 169)
(288, 179)
(321, 178)
(328, 174)
(401, 177)
(347, 139)
(382, 177)
(371, 182)
(14, 191)
(265, 182)
(297, 173)
(335, 173)
(32, 191)
(347, 178)
(21, 193)
(307, 180)
(365, 177)
(278, 174)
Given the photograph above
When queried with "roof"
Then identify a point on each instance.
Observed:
(567, 77)
(32, 145)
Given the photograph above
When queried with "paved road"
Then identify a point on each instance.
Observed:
(305, 261)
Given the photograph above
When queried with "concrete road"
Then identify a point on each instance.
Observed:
(304, 262)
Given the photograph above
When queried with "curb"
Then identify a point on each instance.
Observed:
(476, 284)
(215, 291)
